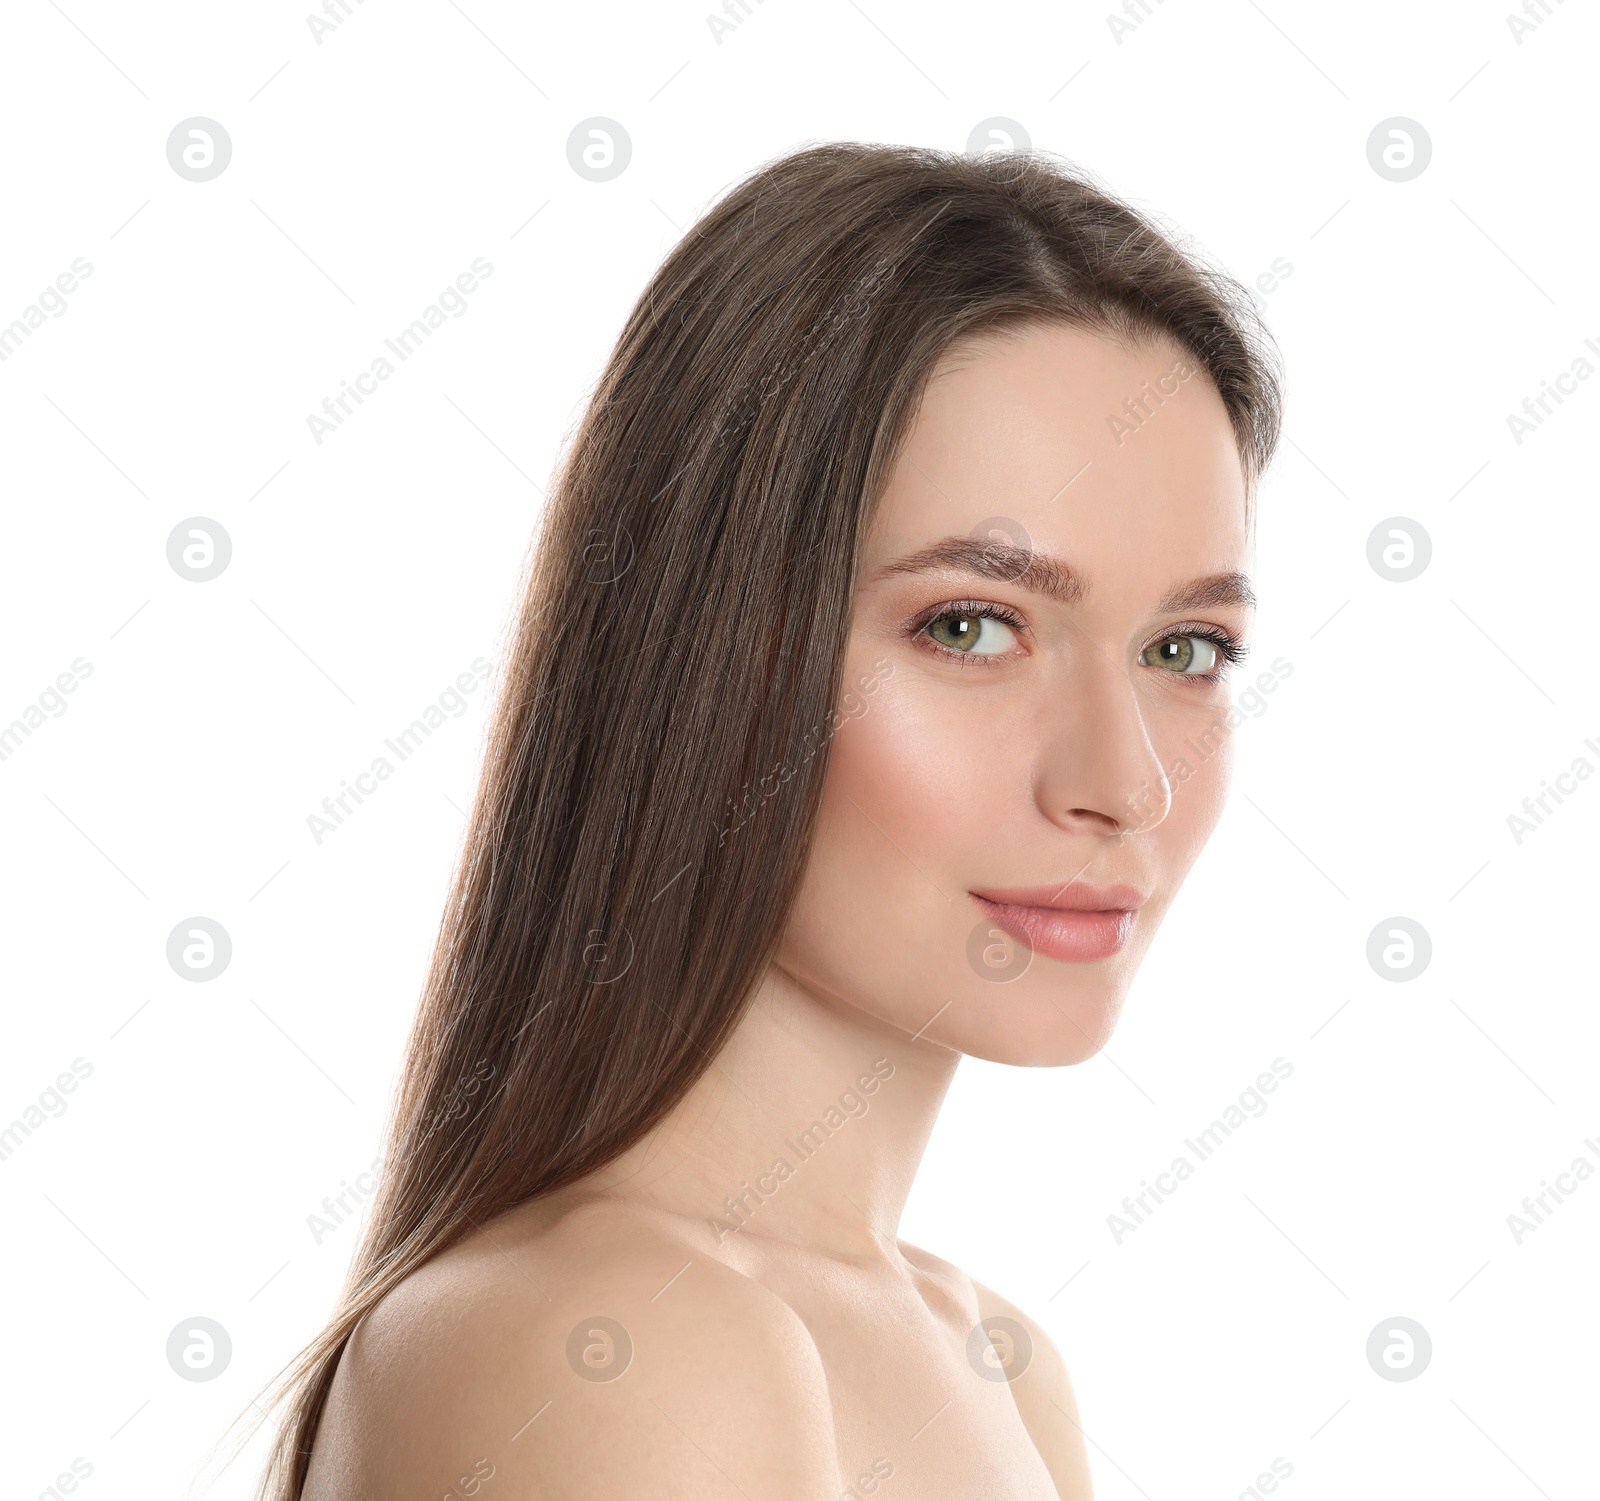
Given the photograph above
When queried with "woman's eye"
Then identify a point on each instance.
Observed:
(1197, 655)
(972, 634)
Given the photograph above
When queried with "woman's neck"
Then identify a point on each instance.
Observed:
(808, 1128)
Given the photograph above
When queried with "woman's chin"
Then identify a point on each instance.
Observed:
(1033, 1030)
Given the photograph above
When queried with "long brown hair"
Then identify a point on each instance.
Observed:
(680, 642)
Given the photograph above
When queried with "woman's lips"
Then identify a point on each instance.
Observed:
(1096, 926)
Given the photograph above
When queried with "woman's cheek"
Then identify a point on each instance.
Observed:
(1199, 795)
(920, 765)
(885, 861)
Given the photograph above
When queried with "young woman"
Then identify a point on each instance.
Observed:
(867, 710)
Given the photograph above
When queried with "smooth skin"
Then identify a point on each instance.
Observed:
(785, 1344)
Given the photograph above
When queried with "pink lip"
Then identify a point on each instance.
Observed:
(1076, 896)
(1076, 923)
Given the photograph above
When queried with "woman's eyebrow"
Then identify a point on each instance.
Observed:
(997, 560)
(1209, 593)
(1040, 573)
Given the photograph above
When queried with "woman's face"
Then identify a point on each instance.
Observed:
(1035, 721)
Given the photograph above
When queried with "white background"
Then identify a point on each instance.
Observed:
(369, 571)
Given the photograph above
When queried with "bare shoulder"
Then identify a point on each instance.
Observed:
(597, 1352)
(1040, 1385)
(1042, 1390)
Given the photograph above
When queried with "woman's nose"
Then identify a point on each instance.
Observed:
(1099, 770)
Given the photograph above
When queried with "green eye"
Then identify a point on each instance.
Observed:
(1193, 655)
(972, 633)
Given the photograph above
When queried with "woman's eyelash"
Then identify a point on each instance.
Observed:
(985, 609)
(1229, 647)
